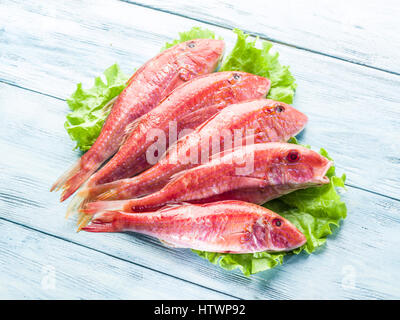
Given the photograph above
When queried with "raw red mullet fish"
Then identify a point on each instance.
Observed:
(226, 226)
(210, 93)
(147, 87)
(255, 173)
(263, 119)
(214, 91)
(217, 89)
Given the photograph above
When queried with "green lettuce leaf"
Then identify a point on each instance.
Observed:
(245, 56)
(194, 33)
(89, 107)
(314, 211)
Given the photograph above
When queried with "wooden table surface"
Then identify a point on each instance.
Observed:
(345, 57)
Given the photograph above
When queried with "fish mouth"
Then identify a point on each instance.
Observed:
(301, 122)
(321, 174)
(221, 53)
(219, 61)
(295, 246)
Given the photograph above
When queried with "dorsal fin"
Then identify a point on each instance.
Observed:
(177, 175)
(128, 130)
(108, 106)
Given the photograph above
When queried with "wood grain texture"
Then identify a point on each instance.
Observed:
(48, 47)
(363, 32)
(36, 266)
(357, 261)
(354, 111)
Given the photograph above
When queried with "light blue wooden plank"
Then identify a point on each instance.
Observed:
(34, 265)
(49, 54)
(353, 110)
(35, 148)
(363, 32)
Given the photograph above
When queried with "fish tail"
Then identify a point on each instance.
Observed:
(105, 227)
(85, 215)
(77, 202)
(100, 191)
(107, 221)
(101, 206)
(127, 189)
(117, 221)
(103, 222)
(83, 221)
(108, 195)
(71, 180)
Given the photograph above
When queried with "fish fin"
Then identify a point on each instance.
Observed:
(128, 130)
(77, 202)
(95, 192)
(83, 221)
(173, 205)
(71, 180)
(168, 244)
(108, 106)
(107, 195)
(198, 119)
(177, 175)
(100, 206)
(103, 222)
(249, 182)
(203, 124)
(105, 227)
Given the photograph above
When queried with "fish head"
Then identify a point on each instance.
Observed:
(246, 86)
(282, 235)
(284, 120)
(301, 166)
(201, 56)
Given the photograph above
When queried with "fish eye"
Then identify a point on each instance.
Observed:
(293, 156)
(191, 44)
(277, 222)
(236, 76)
(279, 108)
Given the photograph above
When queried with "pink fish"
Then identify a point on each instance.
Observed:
(255, 173)
(148, 86)
(220, 88)
(213, 91)
(226, 226)
(263, 119)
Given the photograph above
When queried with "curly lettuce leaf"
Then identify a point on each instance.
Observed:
(88, 107)
(194, 33)
(245, 56)
(314, 211)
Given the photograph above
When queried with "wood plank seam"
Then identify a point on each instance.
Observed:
(261, 36)
(117, 257)
(371, 191)
(31, 90)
